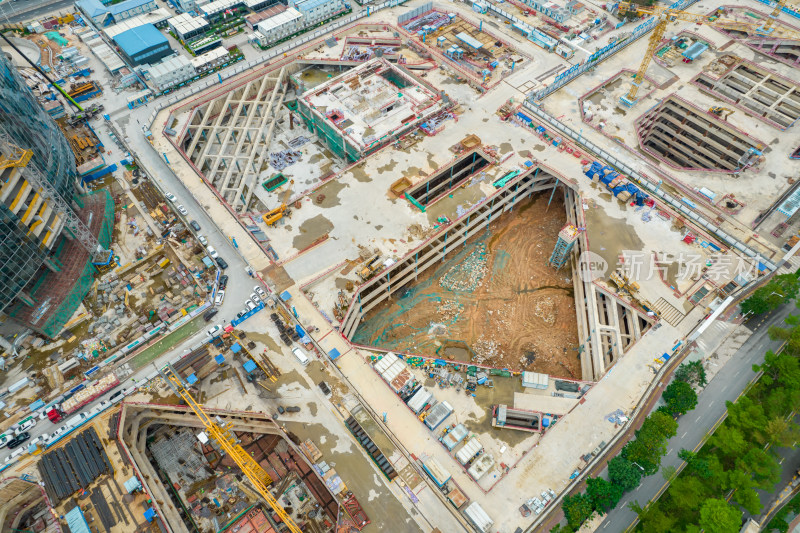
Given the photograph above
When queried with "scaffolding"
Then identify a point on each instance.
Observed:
(566, 241)
(58, 292)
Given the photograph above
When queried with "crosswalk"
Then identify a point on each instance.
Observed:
(668, 312)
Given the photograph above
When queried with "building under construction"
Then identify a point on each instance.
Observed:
(196, 486)
(51, 238)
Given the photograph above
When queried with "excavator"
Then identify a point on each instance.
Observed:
(721, 112)
(271, 217)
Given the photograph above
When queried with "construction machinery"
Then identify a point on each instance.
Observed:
(271, 217)
(721, 112)
(665, 15)
(223, 434)
(372, 264)
(628, 288)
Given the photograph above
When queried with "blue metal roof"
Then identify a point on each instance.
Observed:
(127, 5)
(301, 5)
(137, 40)
(93, 8)
(249, 366)
(76, 521)
(467, 39)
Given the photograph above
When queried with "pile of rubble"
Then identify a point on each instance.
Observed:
(467, 275)
(545, 308)
(448, 309)
(486, 350)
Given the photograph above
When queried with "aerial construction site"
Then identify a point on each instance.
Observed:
(479, 233)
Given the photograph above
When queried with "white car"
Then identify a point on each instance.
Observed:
(220, 296)
(216, 330)
(127, 391)
(250, 305)
(256, 299)
(202, 240)
(102, 406)
(261, 292)
(36, 440)
(25, 425)
(182, 210)
(212, 252)
(4, 438)
(171, 197)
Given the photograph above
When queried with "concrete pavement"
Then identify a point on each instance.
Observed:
(726, 386)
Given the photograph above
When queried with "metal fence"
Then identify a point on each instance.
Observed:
(602, 54)
(272, 54)
(650, 186)
(414, 13)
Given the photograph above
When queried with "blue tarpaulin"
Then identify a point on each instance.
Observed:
(149, 514)
(219, 359)
(286, 296)
(236, 348)
(249, 366)
(35, 406)
(333, 354)
(191, 379)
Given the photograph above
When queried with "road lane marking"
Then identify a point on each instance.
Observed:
(698, 418)
(684, 434)
(711, 403)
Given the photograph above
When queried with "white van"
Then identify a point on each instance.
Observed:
(301, 356)
(75, 421)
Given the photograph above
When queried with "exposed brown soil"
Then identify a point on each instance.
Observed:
(496, 302)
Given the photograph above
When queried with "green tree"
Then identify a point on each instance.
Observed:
(624, 473)
(692, 373)
(717, 516)
(603, 494)
(782, 432)
(651, 442)
(680, 398)
(762, 466)
(782, 288)
(695, 465)
(729, 441)
(577, 509)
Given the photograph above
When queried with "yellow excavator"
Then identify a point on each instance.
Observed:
(721, 112)
(271, 217)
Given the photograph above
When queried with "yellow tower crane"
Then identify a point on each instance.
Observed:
(228, 441)
(665, 15)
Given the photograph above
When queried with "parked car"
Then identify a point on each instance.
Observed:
(255, 298)
(116, 397)
(223, 281)
(25, 425)
(202, 240)
(240, 314)
(19, 439)
(250, 305)
(195, 226)
(211, 313)
(221, 262)
(5, 438)
(216, 330)
(219, 298)
(127, 391)
(171, 197)
(212, 252)
(261, 292)
(182, 210)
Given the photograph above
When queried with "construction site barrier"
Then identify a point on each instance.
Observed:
(647, 184)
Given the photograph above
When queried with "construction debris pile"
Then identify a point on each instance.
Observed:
(467, 275)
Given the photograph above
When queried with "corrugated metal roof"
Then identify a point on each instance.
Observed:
(93, 8)
(76, 521)
(139, 39)
(153, 17)
(127, 5)
(469, 40)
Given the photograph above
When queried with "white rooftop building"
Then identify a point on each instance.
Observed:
(186, 26)
(280, 26)
(171, 71)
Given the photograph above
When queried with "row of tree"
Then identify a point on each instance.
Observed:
(641, 456)
(719, 483)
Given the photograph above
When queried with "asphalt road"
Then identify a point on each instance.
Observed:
(726, 386)
(25, 10)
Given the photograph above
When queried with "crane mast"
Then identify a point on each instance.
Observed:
(228, 441)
